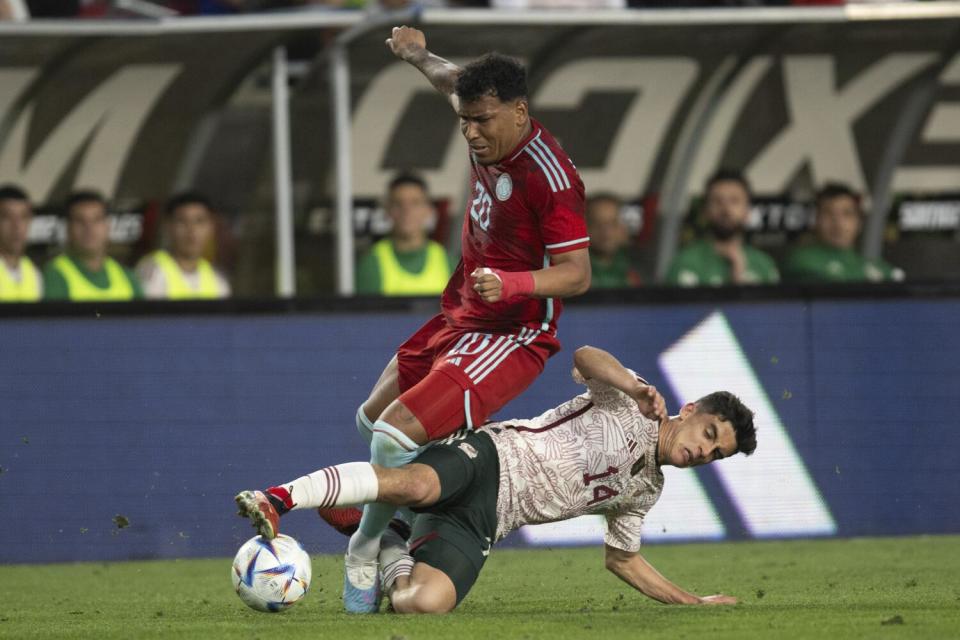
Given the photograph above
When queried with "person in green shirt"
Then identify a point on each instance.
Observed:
(832, 256)
(84, 272)
(610, 261)
(407, 262)
(723, 257)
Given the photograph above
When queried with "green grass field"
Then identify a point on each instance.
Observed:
(865, 588)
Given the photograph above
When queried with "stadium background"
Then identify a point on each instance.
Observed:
(158, 413)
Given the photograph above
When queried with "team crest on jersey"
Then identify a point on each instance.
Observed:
(504, 187)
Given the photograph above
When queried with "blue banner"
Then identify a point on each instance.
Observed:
(127, 438)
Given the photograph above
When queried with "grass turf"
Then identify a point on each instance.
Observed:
(863, 588)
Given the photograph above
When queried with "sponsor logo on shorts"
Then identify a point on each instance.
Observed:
(468, 449)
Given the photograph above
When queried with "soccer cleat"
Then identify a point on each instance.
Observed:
(256, 506)
(361, 586)
(344, 519)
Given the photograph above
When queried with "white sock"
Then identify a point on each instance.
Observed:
(339, 486)
(362, 547)
(395, 559)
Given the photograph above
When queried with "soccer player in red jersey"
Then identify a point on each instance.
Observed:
(524, 246)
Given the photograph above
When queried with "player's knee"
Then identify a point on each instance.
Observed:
(425, 601)
(399, 415)
(421, 489)
(364, 425)
(390, 447)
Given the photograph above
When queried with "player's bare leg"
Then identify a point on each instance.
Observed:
(343, 484)
(385, 391)
(425, 590)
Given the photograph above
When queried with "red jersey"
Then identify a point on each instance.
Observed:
(524, 208)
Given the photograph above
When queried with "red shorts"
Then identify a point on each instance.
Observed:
(453, 377)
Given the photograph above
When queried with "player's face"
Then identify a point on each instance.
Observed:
(700, 438)
(838, 222)
(88, 229)
(727, 207)
(15, 218)
(191, 226)
(492, 128)
(410, 209)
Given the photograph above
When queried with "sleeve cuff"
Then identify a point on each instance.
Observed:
(569, 245)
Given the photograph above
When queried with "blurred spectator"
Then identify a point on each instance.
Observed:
(610, 258)
(14, 10)
(182, 272)
(723, 257)
(407, 262)
(832, 256)
(84, 272)
(19, 279)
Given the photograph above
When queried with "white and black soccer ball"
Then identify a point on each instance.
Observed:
(271, 575)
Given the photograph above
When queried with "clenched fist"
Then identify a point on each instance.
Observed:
(406, 42)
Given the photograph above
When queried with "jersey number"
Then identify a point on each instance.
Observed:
(480, 207)
(600, 492)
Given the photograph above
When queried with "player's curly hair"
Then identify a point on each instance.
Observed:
(727, 406)
(492, 74)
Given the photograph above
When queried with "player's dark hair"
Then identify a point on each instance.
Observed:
(492, 74)
(402, 179)
(184, 198)
(13, 192)
(79, 197)
(729, 175)
(727, 406)
(833, 190)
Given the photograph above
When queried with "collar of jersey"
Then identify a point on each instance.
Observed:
(535, 131)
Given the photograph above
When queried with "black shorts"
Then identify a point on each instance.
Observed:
(455, 534)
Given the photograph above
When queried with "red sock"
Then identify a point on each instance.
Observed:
(280, 498)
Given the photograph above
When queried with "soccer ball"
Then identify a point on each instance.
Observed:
(271, 575)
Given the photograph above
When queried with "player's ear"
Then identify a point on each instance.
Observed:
(521, 111)
(687, 410)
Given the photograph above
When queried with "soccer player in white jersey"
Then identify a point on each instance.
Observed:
(599, 453)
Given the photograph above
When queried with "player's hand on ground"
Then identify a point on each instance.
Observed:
(405, 42)
(487, 284)
(718, 598)
(577, 376)
(651, 403)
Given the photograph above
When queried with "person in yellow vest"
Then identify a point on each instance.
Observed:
(84, 272)
(407, 262)
(20, 280)
(182, 272)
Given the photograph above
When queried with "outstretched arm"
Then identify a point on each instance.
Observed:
(633, 569)
(597, 364)
(410, 45)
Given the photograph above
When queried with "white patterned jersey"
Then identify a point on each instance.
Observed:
(595, 454)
